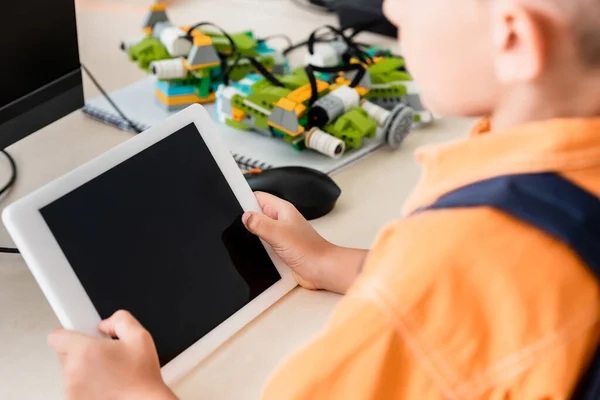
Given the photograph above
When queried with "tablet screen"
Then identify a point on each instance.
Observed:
(160, 235)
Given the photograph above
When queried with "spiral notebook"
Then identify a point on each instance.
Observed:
(250, 149)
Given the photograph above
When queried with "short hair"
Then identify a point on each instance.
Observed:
(584, 17)
(586, 26)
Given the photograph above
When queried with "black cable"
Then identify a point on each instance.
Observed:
(190, 36)
(112, 103)
(278, 36)
(225, 68)
(314, 90)
(259, 67)
(310, 72)
(5, 188)
(133, 126)
(13, 173)
(224, 58)
(354, 49)
(314, 35)
(323, 38)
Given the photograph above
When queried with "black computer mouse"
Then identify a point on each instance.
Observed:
(312, 192)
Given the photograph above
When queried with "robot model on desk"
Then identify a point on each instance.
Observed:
(190, 63)
(343, 94)
(331, 105)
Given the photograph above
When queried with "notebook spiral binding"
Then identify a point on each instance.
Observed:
(247, 163)
(243, 162)
(112, 120)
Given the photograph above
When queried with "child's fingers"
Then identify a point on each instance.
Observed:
(262, 226)
(271, 205)
(121, 325)
(64, 341)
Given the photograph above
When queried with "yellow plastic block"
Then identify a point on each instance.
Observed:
(200, 66)
(300, 109)
(286, 104)
(183, 100)
(357, 61)
(238, 115)
(361, 91)
(147, 31)
(201, 40)
(281, 128)
(194, 33)
(303, 93)
(158, 7)
(290, 105)
(341, 81)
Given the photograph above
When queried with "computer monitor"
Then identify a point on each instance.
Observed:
(40, 73)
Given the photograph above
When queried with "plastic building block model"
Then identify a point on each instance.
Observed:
(330, 107)
(190, 63)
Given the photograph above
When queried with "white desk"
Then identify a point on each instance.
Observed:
(373, 191)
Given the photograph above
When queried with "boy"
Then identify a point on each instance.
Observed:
(466, 303)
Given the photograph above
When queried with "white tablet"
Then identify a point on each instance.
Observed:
(154, 227)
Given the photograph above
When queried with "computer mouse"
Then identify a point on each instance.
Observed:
(312, 192)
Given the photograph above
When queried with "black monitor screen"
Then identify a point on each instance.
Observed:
(161, 235)
(40, 62)
(42, 45)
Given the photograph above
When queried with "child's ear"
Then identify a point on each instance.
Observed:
(518, 43)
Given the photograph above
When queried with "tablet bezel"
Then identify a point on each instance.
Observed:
(58, 281)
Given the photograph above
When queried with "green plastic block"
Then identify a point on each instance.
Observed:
(388, 70)
(352, 127)
(299, 144)
(220, 42)
(182, 82)
(246, 45)
(241, 70)
(363, 123)
(202, 88)
(385, 66)
(278, 133)
(396, 76)
(261, 120)
(237, 125)
(148, 50)
(244, 42)
(288, 139)
(261, 85)
(291, 81)
(303, 121)
(392, 91)
(342, 131)
(202, 73)
(268, 96)
(296, 79)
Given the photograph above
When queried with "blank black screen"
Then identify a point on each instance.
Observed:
(161, 235)
(39, 45)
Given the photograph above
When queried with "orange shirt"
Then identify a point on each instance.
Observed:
(464, 303)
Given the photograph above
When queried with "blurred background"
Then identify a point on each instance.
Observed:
(103, 24)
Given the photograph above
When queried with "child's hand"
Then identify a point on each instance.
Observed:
(107, 369)
(316, 263)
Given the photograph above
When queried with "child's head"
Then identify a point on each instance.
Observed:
(472, 57)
